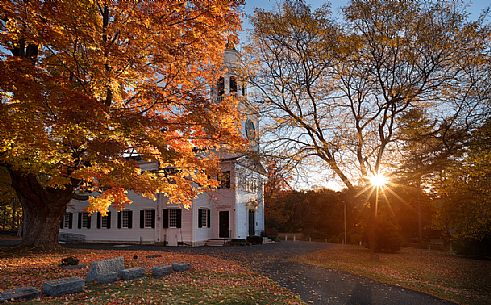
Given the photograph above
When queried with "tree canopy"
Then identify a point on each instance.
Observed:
(338, 90)
(88, 87)
(394, 88)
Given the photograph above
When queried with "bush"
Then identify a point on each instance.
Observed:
(355, 238)
(69, 261)
(255, 240)
(472, 247)
(387, 237)
(388, 240)
(271, 233)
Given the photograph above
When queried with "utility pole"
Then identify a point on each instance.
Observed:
(345, 241)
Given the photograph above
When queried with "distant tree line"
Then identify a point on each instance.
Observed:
(319, 214)
(394, 88)
(445, 197)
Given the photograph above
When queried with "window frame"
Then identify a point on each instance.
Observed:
(224, 180)
(203, 218)
(86, 220)
(172, 218)
(104, 218)
(123, 213)
(66, 220)
(147, 217)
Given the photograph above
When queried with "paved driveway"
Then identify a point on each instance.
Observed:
(315, 285)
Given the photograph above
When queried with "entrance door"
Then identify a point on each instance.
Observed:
(252, 223)
(223, 224)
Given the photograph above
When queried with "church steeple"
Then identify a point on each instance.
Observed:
(230, 84)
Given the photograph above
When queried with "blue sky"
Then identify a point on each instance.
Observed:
(475, 8)
(322, 176)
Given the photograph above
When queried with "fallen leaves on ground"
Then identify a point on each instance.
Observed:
(444, 275)
(211, 280)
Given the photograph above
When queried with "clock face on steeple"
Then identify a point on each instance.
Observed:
(250, 130)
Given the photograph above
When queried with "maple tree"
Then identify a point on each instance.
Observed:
(89, 86)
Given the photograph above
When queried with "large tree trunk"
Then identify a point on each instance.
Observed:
(43, 208)
(373, 224)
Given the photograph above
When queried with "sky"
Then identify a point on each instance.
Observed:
(475, 8)
(318, 176)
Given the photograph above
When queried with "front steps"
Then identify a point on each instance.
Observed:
(218, 242)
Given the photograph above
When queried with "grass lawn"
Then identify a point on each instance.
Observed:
(210, 281)
(446, 276)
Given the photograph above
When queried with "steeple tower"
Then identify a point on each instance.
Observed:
(229, 84)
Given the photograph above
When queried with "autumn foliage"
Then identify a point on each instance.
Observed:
(211, 280)
(87, 87)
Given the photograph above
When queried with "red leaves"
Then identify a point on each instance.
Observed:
(211, 279)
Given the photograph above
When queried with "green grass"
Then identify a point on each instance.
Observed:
(441, 274)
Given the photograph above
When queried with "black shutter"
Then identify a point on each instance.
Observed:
(179, 216)
(98, 220)
(153, 218)
(89, 221)
(165, 218)
(142, 219)
(119, 219)
(80, 220)
(62, 220)
(200, 214)
(208, 218)
(130, 219)
(108, 220)
(70, 220)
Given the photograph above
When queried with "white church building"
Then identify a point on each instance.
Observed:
(233, 211)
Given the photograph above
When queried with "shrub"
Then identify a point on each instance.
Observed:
(472, 247)
(387, 237)
(355, 238)
(69, 261)
(255, 240)
(271, 233)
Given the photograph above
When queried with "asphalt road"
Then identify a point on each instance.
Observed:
(315, 285)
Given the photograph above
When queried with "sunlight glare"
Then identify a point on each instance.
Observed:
(378, 180)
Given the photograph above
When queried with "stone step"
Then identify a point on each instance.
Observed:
(63, 286)
(216, 242)
(20, 294)
(132, 273)
(160, 271)
(180, 267)
(103, 267)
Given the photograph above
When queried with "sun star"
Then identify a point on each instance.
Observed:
(378, 180)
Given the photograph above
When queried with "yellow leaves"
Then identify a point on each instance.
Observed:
(114, 196)
(141, 82)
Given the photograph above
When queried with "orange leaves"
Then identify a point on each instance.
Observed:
(110, 77)
(113, 196)
(211, 280)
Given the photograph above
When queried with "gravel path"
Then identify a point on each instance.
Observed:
(315, 285)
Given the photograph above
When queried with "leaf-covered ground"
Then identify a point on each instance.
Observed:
(456, 279)
(211, 280)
